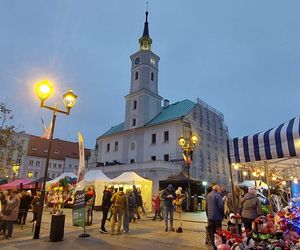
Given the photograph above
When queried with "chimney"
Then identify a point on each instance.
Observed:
(166, 103)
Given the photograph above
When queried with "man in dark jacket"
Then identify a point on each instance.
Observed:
(214, 211)
(24, 207)
(168, 196)
(106, 203)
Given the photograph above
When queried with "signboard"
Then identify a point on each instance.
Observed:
(295, 190)
(78, 209)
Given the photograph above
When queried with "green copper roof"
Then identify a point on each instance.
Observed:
(174, 111)
(115, 129)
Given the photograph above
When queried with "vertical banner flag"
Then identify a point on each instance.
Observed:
(81, 168)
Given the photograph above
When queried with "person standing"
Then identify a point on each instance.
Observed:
(126, 213)
(168, 196)
(24, 207)
(3, 203)
(229, 201)
(214, 211)
(157, 206)
(106, 203)
(11, 212)
(35, 205)
(178, 208)
(250, 208)
(137, 201)
(119, 203)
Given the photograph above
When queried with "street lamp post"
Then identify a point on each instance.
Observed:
(187, 146)
(44, 89)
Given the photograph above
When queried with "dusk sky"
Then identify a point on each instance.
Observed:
(240, 57)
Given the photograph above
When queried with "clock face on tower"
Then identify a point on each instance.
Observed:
(137, 61)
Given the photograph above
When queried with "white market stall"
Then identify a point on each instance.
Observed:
(98, 180)
(128, 179)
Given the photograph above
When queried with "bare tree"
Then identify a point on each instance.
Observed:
(9, 143)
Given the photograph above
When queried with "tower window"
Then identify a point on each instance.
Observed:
(136, 75)
(153, 139)
(107, 147)
(132, 161)
(152, 76)
(153, 158)
(116, 146)
(166, 136)
(134, 104)
(133, 122)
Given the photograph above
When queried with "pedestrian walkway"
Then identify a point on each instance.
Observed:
(143, 234)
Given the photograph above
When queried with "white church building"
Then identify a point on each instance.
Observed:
(146, 142)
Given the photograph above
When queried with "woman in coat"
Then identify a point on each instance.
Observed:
(11, 212)
(178, 207)
(251, 208)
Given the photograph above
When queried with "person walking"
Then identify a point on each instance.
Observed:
(178, 207)
(157, 206)
(11, 212)
(214, 211)
(168, 196)
(250, 208)
(106, 203)
(119, 203)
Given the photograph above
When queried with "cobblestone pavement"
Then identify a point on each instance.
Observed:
(144, 234)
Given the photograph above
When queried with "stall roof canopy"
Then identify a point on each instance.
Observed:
(70, 174)
(94, 175)
(15, 184)
(35, 183)
(282, 142)
(129, 177)
(181, 177)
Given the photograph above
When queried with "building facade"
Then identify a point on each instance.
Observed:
(64, 157)
(147, 141)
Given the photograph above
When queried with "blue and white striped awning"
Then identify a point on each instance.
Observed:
(279, 142)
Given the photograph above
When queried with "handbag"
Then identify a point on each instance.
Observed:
(7, 212)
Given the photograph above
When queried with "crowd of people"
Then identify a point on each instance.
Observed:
(220, 204)
(14, 207)
(126, 207)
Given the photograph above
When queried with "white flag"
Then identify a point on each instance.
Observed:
(47, 131)
(81, 168)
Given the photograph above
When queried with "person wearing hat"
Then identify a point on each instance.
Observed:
(178, 207)
(250, 208)
(106, 203)
(168, 196)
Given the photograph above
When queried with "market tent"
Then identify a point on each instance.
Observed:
(63, 175)
(128, 179)
(276, 143)
(181, 180)
(15, 184)
(37, 184)
(278, 148)
(97, 179)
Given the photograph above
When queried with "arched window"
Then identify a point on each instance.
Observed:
(136, 75)
(152, 76)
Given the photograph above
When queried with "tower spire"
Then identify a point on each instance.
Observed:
(145, 41)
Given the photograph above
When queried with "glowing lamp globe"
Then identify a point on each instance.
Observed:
(69, 99)
(194, 139)
(44, 90)
(181, 141)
